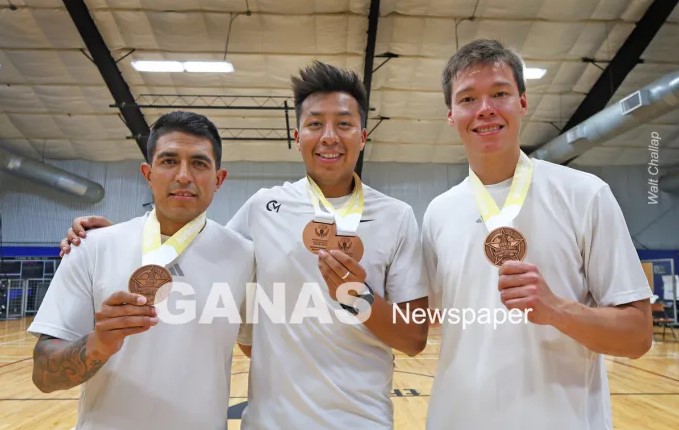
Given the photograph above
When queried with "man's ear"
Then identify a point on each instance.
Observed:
(221, 177)
(295, 135)
(146, 171)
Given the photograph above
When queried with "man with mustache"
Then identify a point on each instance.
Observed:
(137, 368)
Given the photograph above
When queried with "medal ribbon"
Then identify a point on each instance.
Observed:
(346, 217)
(492, 216)
(153, 252)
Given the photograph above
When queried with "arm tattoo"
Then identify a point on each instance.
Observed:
(60, 364)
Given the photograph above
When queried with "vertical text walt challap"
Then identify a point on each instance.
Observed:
(653, 170)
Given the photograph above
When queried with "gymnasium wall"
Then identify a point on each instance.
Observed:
(36, 215)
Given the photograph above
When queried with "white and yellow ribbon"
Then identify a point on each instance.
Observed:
(347, 217)
(162, 254)
(492, 216)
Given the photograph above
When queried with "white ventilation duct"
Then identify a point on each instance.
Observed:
(651, 101)
(51, 176)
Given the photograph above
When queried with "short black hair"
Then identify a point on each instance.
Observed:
(324, 78)
(185, 122)
(481, 51)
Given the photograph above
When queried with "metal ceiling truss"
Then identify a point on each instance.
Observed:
(181, 101)
(101, 56)
(226, 102)
(255, 133)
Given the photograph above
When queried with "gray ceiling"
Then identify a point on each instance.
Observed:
(54, 102)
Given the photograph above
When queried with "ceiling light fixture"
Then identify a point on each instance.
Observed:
(158, 66)
(533, 73)
(187, 66)
(208, 66)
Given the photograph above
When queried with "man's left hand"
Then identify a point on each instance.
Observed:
(338, 268)
(522, 287)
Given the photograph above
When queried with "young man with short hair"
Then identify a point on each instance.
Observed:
(528, 235)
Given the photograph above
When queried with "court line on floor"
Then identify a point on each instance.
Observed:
(15, 362)
(647, 371)
(413, 373)
(426, 357)
(15, 341)
(38, 400)
(19, 336)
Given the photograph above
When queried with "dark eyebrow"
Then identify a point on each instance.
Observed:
(495, 85)
(340, 113)
(202, 157)
(170, 154)
(166, 154)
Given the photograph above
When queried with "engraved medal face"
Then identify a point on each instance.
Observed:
(350, 245)
(317, 234)
(504, 244)
(148, 280)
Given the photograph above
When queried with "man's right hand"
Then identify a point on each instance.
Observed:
(78, 229)
(60, 364)
(122, 314)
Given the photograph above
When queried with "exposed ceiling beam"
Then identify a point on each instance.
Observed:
(623, 62)
(373, 17)
(108, 68)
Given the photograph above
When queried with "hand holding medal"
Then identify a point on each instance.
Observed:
(520, 284)
(121, 314)
(338, 268)
(522, 287)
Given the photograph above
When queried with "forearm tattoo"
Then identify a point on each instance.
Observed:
(60, 364)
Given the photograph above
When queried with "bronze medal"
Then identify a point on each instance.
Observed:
(504, 244)
(317, 234)
(350, 245)
(151, 281)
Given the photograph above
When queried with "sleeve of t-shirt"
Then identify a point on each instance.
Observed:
(67, 311)
(240, 222)
(245, 331)
(612, 267)
(431, 265)
(405, 274)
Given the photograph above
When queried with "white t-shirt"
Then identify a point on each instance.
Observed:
(173, 376)
(311, 375)
(526, 376)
